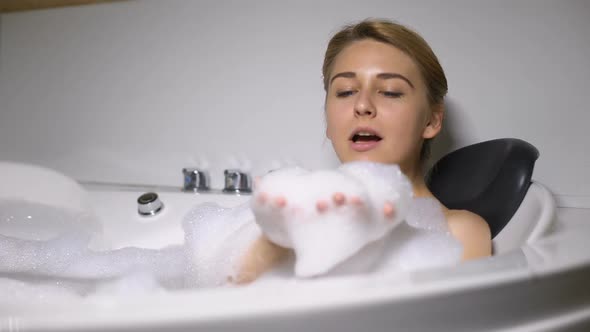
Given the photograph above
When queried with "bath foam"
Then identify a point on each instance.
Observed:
(423, 241)
(47, 242)
(216, 238)
(322, 240)
(63, 269)
(51, 291)
(68, 256)
(16, 292)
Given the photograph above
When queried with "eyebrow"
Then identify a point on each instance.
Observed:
(383, 76)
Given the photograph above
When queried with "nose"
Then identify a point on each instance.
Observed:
(364, 106)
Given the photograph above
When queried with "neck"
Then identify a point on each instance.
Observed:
(418, 184)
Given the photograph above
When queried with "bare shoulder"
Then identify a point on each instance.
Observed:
(472, 231)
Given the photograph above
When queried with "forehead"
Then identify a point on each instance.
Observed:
(372, 57)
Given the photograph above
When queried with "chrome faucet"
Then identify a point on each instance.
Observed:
(237, 182)
(195, 179)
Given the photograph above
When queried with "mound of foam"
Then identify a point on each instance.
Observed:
(46, 292)
(423, 241)
(323, 239)
(68, 256)
(216, 238)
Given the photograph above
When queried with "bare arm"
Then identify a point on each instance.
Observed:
(260, 257)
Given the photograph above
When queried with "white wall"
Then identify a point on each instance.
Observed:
(133, 91)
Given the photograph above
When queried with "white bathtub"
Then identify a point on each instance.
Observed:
(538, 286)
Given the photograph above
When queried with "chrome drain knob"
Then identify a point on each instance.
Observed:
(149, 204)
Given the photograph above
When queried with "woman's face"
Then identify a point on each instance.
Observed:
(377, 107)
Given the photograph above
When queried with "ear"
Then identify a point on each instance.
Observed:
(434, 124)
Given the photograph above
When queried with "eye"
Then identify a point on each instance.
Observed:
(342, 94)
(392, 94)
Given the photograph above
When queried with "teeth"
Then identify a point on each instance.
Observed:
(365, 134)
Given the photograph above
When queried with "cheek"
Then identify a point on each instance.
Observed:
(404, 125)
(334, 122)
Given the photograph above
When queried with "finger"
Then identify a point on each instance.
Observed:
(262, 198)
(388, 210)
(339, 198)
(322, 206)
(280, 202)
(355, 200)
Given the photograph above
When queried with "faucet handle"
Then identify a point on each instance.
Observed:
(237, 181)
(195, 179)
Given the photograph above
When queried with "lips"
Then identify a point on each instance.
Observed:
(364, 139)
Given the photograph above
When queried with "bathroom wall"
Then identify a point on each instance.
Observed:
(133, 91)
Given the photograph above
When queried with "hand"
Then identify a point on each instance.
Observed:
(322, 206)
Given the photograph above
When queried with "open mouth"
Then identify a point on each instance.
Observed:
(363, 136)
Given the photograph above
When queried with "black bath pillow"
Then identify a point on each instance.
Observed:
(489, 179)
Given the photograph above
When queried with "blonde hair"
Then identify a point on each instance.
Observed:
(401, 38)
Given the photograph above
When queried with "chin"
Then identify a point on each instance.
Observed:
(368, 157)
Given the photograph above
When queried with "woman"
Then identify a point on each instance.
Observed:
(384, 102)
